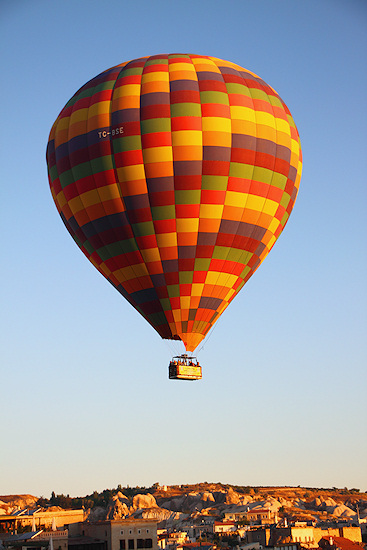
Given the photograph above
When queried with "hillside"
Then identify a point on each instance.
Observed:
(177, 503)
(9, 503)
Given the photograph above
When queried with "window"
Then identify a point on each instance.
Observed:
(139, 531)
(122, 531)
(131, 544)
(148, 543)
(140, 543)
(130, 531)
(147, 530)
(122, 544)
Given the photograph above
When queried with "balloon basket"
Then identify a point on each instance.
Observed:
(184, 367)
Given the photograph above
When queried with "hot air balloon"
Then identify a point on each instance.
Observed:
(175, 175)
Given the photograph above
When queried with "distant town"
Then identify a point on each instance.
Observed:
(205, 516)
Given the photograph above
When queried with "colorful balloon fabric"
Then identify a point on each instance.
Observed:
(175, 175)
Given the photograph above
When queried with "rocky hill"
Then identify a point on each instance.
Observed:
(176, 504)
(10, 503)
(294, 503)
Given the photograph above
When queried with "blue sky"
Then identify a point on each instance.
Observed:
(85, 399)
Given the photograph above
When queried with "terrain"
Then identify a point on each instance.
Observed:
(179, 503)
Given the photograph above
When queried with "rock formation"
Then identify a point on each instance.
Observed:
(144, 501)
(11, 503)
(174, 505)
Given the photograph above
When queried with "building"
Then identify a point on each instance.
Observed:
(261, 516)
(40, 519)
(338, 543)
(249, 546)
(196, 546)
(349, 532)
(286, 546)
(59, 539)
(235, 516)
(198, 530)
(118, 534)
(86, 543)
(37, 540)
(171, 540)
(220, 527)
(256, 516)
(307, 535)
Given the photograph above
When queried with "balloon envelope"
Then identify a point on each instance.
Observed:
(175, 174)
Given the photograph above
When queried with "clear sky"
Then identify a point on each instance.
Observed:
(85, 400)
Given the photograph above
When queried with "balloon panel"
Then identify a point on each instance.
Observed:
(175, 175)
